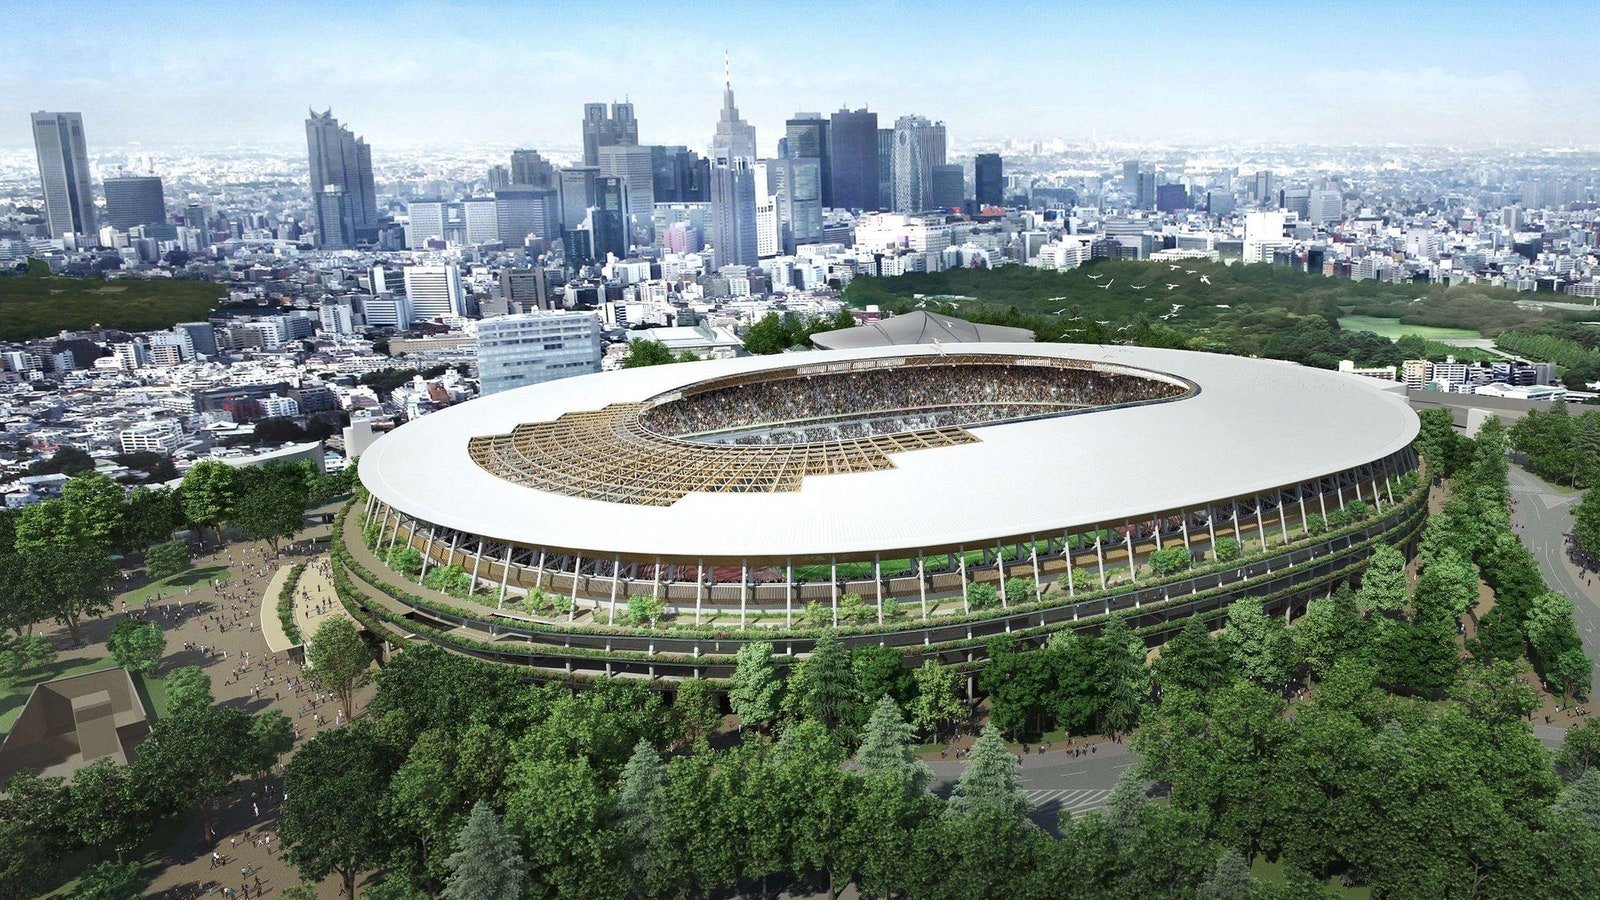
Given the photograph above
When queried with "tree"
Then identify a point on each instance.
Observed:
(1448, 587)
(1331, 630)
(100, 502)
(1230, 880)
(1170, 560)
(1580, 750)
(767, 336)
(188, 687)
(270, 503)
(937, 703)
(191, 757)
(166, 560)
(339, 659)
(1227, 549)
(1127, 680)
(1582, 799)
(109, 880)
(880, 671)
(1572, 671)
(333, 821)
(1383, 584)
(66, 584)
(271, 736)
(152, 515)
(695, 709)
(208, 494)
(1257, 643)
(108, 808)
(644, 610)
(823, 688)
(1550, 630)
(26, 654)
(1586, 523)
(755, 688)
(137, 645)
(1192, 659)
(888, 748)
(646, 352)
(487, 864)
(643, 783)
(990, 780)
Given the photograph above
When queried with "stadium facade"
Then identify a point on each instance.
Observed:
(892, 492)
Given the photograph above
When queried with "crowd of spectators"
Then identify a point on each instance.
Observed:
(844, 405)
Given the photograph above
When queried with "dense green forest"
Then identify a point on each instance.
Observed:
(1249, 310)
(39, 305)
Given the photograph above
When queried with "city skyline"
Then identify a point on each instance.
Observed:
(1175, 73)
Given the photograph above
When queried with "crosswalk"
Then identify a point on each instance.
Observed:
(1077, 801)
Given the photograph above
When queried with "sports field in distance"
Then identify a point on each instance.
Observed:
(1394, 328)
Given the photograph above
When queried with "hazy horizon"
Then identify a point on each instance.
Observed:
(413, 76)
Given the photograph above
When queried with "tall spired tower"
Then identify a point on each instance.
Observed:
(733, 183)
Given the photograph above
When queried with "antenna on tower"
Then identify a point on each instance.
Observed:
(727, 70)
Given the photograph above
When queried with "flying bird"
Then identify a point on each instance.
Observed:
(1107, 285)
(1096, 277)
(1188, 271)
(1174, 268)
(1171, 286)
(1204, 280)
(1139, 287)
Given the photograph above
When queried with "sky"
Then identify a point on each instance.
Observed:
(169, 73)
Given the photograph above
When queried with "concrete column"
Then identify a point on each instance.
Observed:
(1000, 568)
(744, 589)
(427, 554)
(616, 579)
(1211, 529)
(1300, 496)
(788, 593)
(1038, 585)
(877, 578)
(833, 576)
(455, 539)
(966, 602)
(1071, 588)
(505, 574)
(577, 567)
(1322, 501)
(1100, 557)
(477, 564)
(1261, 525)
(538, 572)
(1283, 520)
(655, 585)
(1183, 522)
(699, 588)
(922, 584)
(1133, 566)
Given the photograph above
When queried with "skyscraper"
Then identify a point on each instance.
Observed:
(609, 216)
(948, 187)
(853, 150)
(733, 186)
(989, 179)
(134, 200)
(886, 168)
(435, 291)
(64, 172)
(918, 148)
(335, 220)
(619, 128)
(633, 164)
(808, 138)
(528, 167)
(680, 175)
(795, 183)
(576, 186)
(338, 157)
(522, 211)
(482, 222)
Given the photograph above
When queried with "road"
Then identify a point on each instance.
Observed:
(1544, 517)
(1056, 782)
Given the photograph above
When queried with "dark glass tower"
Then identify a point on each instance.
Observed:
(989, 179)
(338, 158)
(853, 158)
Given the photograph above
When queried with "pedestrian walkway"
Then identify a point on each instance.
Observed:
(315, 601)
(271, 627)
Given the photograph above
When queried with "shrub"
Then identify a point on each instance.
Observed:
(1228, 549)
(1170, 560)
(286, 604)
(817, 614)
(853, 609)
(645, 611)
(1316, 525)
(982, 596)
(1020, 590)
(405, 560)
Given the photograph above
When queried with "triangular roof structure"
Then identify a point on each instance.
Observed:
(918, 327)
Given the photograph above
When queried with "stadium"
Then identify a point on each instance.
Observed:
(923, 497)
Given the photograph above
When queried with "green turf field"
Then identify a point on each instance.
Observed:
(1393, 328)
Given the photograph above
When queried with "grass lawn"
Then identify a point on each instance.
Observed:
(40, 305)
(14, 694)
(152, 852)
(186, 578)
(1393, 328)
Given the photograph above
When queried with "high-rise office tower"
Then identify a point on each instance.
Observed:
(528, 167)
(1171, 198)
(483, 223)
(733, 185)
(499, 177)
(808, 138)
(435, 291)
(948, 187)
(853, 153)
(576, 187)
(918, 148)
(633, 164)
(134, 200)
(795, 184)
(988, 175)
(335, 218)
(338, 157)
(524, 290)
(523, 211)
(619, 128)
(609, 217)
(886, 168)
(1130, 177)
(428, 218)
(680, 175)
(64, 172)
(1264, 188)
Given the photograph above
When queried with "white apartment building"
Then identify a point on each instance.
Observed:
(387, 311)
(156, 437)
(515, 351)
(276, 407)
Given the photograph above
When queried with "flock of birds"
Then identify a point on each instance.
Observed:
(1204, 279)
